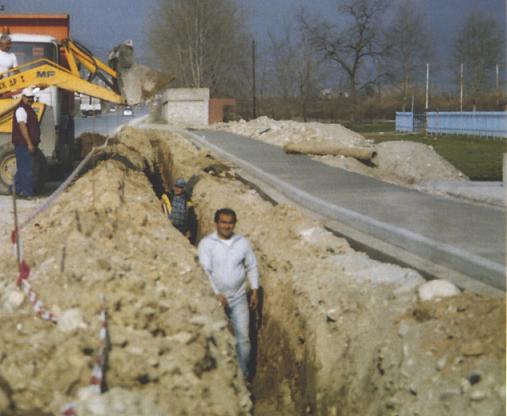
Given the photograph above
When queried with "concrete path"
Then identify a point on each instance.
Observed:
(463, 237)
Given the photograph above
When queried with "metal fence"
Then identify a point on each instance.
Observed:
(476, 123)
(404, 122)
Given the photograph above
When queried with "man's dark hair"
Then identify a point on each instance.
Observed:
(225, 211)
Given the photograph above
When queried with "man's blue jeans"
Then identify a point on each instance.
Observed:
(239, 314)
(23, 176)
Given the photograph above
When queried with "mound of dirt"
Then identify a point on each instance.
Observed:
(171, 352)
(343, 334)
(338, 332)
(398, 162)
(285, 131)
(414, 162)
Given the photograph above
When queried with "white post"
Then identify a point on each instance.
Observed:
(427, 85)
(497, 83)
(461, 88)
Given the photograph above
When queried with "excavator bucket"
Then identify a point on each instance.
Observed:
(136, 82)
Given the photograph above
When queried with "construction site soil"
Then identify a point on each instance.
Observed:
(403, 163)
(338, 333)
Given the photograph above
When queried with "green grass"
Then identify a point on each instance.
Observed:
(478, 158)
(370, 126)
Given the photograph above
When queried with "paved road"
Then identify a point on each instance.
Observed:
(105, 123)
(460, 236)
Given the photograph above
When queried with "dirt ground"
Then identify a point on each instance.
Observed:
(338, 333)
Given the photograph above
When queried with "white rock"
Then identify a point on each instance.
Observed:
(404, 328)
(441, 363)
(13, 300)
(465, 385)
(71, 320)
(332, 315)
(437, 289)
(477, 395)
(87, 392)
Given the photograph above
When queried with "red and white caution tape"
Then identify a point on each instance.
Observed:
(97, 377)
(25, 286)
(69, 410)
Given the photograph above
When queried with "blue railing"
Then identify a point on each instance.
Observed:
(476, 123)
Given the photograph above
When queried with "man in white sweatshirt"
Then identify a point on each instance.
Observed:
(229, 262)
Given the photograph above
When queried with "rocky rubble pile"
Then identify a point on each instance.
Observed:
(285, 131)
(339, 333)
(170, 350)
(397, 162)
(342, 333)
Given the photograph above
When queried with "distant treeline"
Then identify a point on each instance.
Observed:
(366, 60)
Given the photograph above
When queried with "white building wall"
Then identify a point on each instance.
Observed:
(188, 106)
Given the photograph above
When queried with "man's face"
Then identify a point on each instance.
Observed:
(28, 100)
(225, 226)
(178, 190)
(5, 46)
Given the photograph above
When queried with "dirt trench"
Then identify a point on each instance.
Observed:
(331, 339)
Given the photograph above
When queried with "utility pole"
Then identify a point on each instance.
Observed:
(254, 98)
(427, 87)
(461, 87)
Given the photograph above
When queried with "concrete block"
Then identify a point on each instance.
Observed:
(189, 106)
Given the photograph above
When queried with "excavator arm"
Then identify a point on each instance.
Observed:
(44, 73)
(129, 85)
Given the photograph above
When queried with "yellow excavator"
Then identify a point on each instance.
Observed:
(60, 69)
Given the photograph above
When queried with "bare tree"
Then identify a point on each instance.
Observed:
(203, 44)
(351, 41)
(409, 48)
(296, 69)
(478, 46)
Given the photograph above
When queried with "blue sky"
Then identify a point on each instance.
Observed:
(101, 24)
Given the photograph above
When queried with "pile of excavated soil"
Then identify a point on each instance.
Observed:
(285, 131)
(397, 162)
(415, 162)
(87, 141)
(171, 352)
(343, 334)
(339, 333)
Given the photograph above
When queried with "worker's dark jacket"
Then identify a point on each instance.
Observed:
(32, 124)
(182, 216)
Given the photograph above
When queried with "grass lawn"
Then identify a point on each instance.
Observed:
(479, 158)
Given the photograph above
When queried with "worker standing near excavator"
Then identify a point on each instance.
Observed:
(8, 60)
(229, 261)
(25, 138)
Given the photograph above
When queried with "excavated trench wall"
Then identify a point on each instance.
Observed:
(170, 350)
(330, 341)
(333, 341)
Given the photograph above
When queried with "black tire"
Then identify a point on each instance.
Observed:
(39, 171)
(7, 167)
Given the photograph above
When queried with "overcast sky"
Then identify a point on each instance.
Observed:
(102, 24)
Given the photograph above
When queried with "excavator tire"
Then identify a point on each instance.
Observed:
(7, 167)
